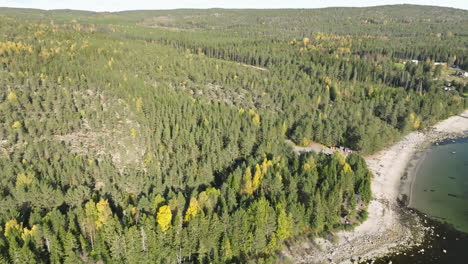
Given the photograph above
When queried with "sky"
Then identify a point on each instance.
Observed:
(119, 5)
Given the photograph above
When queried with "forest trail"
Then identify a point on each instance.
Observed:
(318, 148)
(254, 67)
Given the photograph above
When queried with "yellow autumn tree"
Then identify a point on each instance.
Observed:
(23, 179)
(257, 178)
(256, 119)
(164, 217)
(104, 212)
(204, 200)
(9, 48)
(12, 97)
(213, 192)
(347, 168)
(192, 210)
(16, 125)
(139, 104)
(265, 165)
(135, 213)
(133, 132)
(415, 120)
(341, 158)
(10, 227)
(88, 224)
(319, 100)
(247, 182)
(29, 232)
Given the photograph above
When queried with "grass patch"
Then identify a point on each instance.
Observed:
(399, 66)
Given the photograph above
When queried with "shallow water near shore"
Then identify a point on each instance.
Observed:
(440, 188)
(439, 193)
(443, 244)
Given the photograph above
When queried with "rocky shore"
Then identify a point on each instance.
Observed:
(390, 225)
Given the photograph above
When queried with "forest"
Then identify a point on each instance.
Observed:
(165, 136)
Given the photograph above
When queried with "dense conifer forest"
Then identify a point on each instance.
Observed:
(165, 136)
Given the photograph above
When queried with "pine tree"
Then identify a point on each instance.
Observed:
(284, 222)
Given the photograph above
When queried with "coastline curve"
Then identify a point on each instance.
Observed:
(390, 226)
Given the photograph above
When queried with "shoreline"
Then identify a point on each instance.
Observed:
(390, 226)
(406, 185)
(413, 173)
(444, 130)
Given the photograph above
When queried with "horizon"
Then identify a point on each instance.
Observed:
(224, 8)
(140, 5)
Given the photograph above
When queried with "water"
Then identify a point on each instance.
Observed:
(440, 195)
(444, 245)
(440, 188)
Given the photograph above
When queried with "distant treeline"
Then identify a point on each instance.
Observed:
(161, 136)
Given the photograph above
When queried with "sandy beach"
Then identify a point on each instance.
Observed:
(389, 226)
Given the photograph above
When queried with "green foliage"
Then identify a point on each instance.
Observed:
(124, 139)
(284, 223)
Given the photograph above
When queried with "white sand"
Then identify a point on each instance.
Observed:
(384, 229)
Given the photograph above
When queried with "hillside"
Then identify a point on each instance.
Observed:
(162, 136)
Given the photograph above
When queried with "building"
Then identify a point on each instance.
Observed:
(462, 74)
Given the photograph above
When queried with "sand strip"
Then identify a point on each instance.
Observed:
(389, 226)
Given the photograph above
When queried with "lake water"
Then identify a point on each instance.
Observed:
(440, 194)
(441, 185)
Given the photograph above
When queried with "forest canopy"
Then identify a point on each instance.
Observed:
(165, 136)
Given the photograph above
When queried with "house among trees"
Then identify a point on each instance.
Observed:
(448, 88)
(412, 61)
(462, 74)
